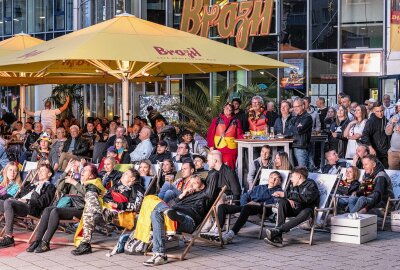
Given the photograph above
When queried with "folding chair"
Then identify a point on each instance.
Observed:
(395, 202)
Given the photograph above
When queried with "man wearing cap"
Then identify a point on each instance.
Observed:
(393, 129)
(370, 104)
(199, 162)
(161, 153)
(195, 147)
(389, 108)
(48, 116)
(74, 146)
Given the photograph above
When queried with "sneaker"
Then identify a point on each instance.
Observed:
(274, 237)
(33, 246)
(227, 237)
(83, 248)
(7, 241)
(156, 259)
(175, 216)
(42, 247)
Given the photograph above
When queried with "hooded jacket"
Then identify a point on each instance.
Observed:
(374, 135)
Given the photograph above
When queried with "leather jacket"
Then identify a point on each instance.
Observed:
(301, 130)
(81, 146)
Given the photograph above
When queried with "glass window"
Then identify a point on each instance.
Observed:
(324, 24)
(219, 82)
(293, 80)
(362, 23)
(19, 16)
(119, 6)
(323, 77)
(177, 13)
(7, 17)
(1, 18)
(100, 100)
(87, 14)
(59, 14)
(156, 11)
(294, 25)
(101, 11)
(70, 19)
(265, 79)
(49, 15)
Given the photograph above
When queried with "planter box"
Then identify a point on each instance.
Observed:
(395, 221)
(355, 231)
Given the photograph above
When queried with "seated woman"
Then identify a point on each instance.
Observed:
(146, 171)
(168, 172)
(43, 151)
(70, 205)
(56, 147)
(10, 183)
(281, 161)
(112, 153)
(122, 151)
(348, 186)
(250, 204)
(126, 195)
(109, 176)
(32, 200)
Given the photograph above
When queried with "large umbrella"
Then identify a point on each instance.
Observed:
(127, 47)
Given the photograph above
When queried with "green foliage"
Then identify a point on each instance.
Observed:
(74, 91)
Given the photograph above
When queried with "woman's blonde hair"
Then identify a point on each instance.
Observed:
(6, 181)
(148, 162)
(285, 163)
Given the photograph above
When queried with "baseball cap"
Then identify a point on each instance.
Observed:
(162, 143)
(199, 156)
(112, 149)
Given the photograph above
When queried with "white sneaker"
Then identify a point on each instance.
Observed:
(227, 238)
(156, 259)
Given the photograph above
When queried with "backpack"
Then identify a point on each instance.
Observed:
(134, 246)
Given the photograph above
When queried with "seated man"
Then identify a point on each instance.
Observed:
(195, 147)
(31, 143)
(144, 148)
(362, 150)
(264, 161)
(188, 210)
(31, 200)
(298, 201)
(251, 203)
(90, 134)
(170, 191)
(74, 146)
(182, 154)
(376, 187)
(161, 153)
(333, 164)
(199, 161)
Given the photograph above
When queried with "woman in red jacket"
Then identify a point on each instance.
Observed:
(223, 132)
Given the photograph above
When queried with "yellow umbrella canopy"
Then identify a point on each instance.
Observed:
(127, 47)
(17, 43)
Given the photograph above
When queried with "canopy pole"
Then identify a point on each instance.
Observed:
(125, 102)
(22, 105)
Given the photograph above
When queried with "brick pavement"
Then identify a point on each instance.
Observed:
(246, 252)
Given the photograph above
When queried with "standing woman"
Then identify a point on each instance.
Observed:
(10, 183)
(337, 140)
(354, 130)
(223, 132)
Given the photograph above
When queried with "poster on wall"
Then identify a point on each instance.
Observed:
(159, 102)
(395, 27)
(293, 78)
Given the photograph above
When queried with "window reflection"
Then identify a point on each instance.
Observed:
(294, 25)
(324, 24)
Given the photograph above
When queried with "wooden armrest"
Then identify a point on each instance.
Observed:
(394, 200)
(324, 209)
(269, 205)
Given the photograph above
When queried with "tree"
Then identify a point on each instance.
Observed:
(74, 91)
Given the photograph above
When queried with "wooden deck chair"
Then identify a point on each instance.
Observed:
(392, 203)
(337, 196)
(263, 181)
(29, 165)
(196, 234)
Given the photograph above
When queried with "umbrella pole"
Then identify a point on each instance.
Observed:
(22, 98)
(125, 102)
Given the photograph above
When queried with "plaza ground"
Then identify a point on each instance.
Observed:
(246, 252)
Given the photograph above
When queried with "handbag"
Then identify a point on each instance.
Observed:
(71, 201)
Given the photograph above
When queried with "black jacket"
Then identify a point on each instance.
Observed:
(301, 130)
(81, 146)
(375, 136)
(38, 203)
(306, 195)
(272, 116)
(112, 178)
(32, 138)
(327, 167)
(322, 115)
(242, 117)
(348, 189)
(125, 158)
(184, 158)
(228, 178)
(134, 194)
(340, 142)
(160, 157)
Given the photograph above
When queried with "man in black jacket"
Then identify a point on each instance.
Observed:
(333, 165)
(74, 146)
(374, 134)
(31, 142)
(161, 153)
(297, 201)
(240, 114)
(301, 130)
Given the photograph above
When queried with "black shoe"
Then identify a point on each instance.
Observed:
(43, 247)
(7, 241)
(33, 246)
(175, 216)
(83, 248)
(274, 237)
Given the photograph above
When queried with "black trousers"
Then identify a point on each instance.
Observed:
(245, 211)
(50, 220)
(12, 207)
(285, 210)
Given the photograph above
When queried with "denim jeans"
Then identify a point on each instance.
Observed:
(302, 157)
(358, 203)
(168, 192)
(157, 223)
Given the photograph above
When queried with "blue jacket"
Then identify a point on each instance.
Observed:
(278, 126)
(261, 194)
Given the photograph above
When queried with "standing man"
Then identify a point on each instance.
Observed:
(271, 114)
(284, 121)
(48, 116)
(374, 134)
(240, 114)
(301, 130)
(389, 108)
(393, 129)
(322, 111)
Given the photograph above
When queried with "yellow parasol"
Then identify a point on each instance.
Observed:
(127, 47)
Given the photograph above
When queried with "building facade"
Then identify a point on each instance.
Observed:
(337, 46)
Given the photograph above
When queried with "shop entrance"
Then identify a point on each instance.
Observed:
(360, 88)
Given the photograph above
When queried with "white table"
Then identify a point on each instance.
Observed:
(355, 231)
(250, 144)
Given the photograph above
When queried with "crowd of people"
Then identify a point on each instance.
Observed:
(191, 171)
